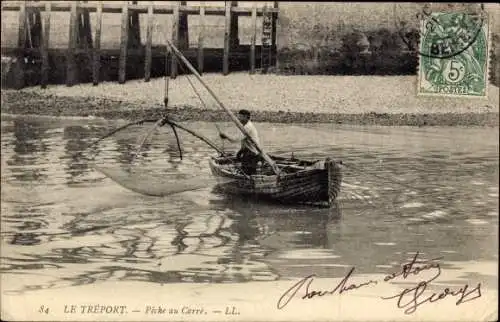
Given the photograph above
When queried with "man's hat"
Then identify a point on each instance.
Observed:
(244, 112)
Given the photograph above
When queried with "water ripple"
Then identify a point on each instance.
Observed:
(65, 224)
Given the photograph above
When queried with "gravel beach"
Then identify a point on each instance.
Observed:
(389, 100)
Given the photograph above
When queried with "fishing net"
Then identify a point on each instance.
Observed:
(152, 185)
(156, 157)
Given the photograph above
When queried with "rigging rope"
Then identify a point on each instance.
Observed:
(201, 100)
(205, 106)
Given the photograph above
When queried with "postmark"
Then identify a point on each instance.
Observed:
(453, 54)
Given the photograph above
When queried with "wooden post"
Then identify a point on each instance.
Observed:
(183, 29)
(35, 28)
(81, 36)
(45, 46)
(201, 35)
(273, 36)
(175, 39)
(85, 32)
(227, 30)
(71, 68)
(21, 37)
(265, 53)
(29, 41)
(253, 39)
(96, 65)
(122, 69)
(234, 40)
(149, 40)
(134, 29)
(21, 45)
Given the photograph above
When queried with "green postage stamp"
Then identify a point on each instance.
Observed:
(453, 55)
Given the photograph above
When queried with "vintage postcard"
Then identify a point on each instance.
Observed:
(249, 161)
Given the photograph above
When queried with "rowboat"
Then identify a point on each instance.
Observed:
(298, 181)
(286, 180)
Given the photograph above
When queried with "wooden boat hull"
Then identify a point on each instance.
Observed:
(299, 182)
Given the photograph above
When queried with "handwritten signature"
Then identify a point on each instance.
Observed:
(340, 288)
(409, 298)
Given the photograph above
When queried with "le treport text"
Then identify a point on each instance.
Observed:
(96, 309)
(148, 309)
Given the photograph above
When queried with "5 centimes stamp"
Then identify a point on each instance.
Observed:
(453, 54)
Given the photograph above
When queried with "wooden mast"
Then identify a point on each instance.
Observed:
(231, 114)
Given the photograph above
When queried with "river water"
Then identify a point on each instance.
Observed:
(428, 190)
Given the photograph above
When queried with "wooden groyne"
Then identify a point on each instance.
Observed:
(85, 60)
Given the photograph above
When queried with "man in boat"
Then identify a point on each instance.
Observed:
(248, 153)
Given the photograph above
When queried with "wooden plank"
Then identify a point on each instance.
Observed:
(149, 39)
(216, 53)
(122, 64)
(253, 38)
(201, 35)
(71, 68)
(96, 59)
(65, 6)
(45, 47)
(175, 40)
(158, 9)
(227, 30)
(156, 52)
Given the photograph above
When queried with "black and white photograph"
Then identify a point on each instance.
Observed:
(249, 161)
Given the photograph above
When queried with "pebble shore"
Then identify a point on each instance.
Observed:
(359, 100)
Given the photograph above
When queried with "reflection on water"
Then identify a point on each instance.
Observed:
(430, 190)
(75, 137)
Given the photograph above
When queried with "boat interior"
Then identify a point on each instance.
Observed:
(287, 165)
